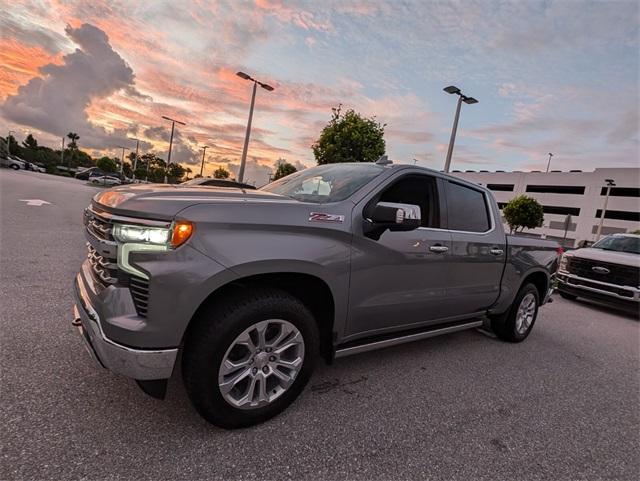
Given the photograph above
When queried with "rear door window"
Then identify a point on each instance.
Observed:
(467, 208)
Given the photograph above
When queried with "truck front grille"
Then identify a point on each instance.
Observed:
(98, 226)
(140, 293)
(103, 269)
(618, 274)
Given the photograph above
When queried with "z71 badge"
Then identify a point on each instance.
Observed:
(322, 217)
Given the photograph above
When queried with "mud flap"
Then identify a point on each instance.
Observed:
(156, 388)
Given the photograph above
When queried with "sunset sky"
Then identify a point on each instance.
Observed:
(551, 76)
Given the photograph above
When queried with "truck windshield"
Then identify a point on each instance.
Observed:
(620, 244)
(325, 183)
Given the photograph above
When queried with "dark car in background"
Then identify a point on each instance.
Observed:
(86, 173)
(209, 182)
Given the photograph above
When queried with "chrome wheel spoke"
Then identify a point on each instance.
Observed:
(526, 313)
(261, 364)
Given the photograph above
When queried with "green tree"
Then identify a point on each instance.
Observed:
(107, 164)
(12, 144)
(30, 142)
(4, 148)
(283, 169)
(636, 232)
(73, 137)
(523, 212)
(221, 173)
(175, 173)
(349, 137)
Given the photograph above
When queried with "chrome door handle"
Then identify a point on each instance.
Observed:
(496, 252)
(438, 249)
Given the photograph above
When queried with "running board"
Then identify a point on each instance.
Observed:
(370, 346)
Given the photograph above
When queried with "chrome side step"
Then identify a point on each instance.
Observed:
(349, 351)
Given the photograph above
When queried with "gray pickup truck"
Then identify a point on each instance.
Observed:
(251, 287)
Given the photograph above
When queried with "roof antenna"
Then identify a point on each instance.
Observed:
(384, 160)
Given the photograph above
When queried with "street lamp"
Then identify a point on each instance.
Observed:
(549, 163)
(122, 158)
(268, 88)
(451, 89)
(9, 140)
(173, 125)
(610, 183)
(204, 150)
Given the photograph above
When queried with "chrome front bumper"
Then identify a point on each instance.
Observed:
(140, 364)
(598, 287)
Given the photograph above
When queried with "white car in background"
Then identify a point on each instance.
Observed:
(104, 180)
(13, 163)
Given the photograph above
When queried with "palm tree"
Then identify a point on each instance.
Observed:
(73, 137)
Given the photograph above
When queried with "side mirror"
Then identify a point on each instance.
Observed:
(392, 216)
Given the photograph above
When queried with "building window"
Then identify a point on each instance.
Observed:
(622, 191)
(501, 187)
(559, 225)
(554, 209)
(619, 215)
(556, 189)
(608, 230)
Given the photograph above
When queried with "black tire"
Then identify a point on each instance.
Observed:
(15, 166)
(213, 332)
(504, 326)
(566, 295)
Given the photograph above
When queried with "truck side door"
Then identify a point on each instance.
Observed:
(399, 281)
(477, 258)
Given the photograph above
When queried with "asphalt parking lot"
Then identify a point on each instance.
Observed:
(562, 405)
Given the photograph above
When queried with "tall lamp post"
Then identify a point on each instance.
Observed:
(549, 163)
(122, 158)
(451, 89)
(173, 125)
(204, 150)
(135, 160)
(9, 141)
(268, 88)
(610, 183)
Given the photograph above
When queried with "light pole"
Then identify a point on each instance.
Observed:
(549, 163)
(62, 152)
(135, 160)
(610, 183)
(9, 141)
(451, 89)
(122, 158)
(268, 88)
(173, 125)
(204, 150)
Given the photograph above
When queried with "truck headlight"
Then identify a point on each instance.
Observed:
(564, 262)
(171, 237)
(140, 234)
(137, 238)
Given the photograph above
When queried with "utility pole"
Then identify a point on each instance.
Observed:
(135, 161)
(461, 98)
(549, 163)
(122, 158)
(268, 88)
(204, 149)
(173, 125)
(62, 152)
(610, 183)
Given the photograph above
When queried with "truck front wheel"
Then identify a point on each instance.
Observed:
(248, 357)
(516, 324)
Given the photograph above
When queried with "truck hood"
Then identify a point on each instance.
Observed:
(613, 257)
(163, 202)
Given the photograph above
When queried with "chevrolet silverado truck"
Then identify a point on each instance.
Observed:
(251, 287)
(607, 272)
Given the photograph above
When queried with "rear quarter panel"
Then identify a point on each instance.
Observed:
(525, 255)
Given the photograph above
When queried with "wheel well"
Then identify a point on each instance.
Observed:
(538, 279)
(312, 291)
